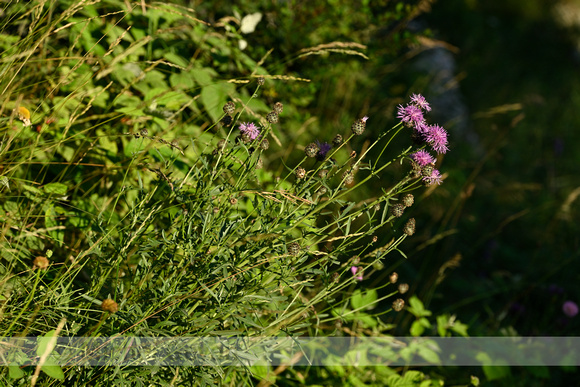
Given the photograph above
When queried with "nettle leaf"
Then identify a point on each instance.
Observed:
(416, 308)
(55, 189)
(213, 97)
(181, 81)
(176, 59)
(363, 301)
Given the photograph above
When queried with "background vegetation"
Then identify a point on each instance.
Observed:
(496, 244)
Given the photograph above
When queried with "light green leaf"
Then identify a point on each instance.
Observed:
(55, 188)
(53, 371)
(14, 372)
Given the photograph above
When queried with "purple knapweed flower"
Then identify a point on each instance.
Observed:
(420, 101)
(250, 130)
(423, 158)
(434, 178)
(436, 136)
(323, 149)
(410, 115)
(355, 270)
(364, 119)
(570, 308)
(421, 128)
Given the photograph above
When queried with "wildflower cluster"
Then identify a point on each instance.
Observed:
(412, 116)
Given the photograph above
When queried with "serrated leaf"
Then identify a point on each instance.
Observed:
(55, 188)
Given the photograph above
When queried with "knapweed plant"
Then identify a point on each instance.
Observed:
(140, 196)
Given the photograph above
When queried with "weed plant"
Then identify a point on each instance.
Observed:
(140, 197)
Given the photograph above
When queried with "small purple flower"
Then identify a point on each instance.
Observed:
(436, 136)
(422, 158)
(364, 119)
(355, 270)
(435, 178)
(570, 308)
(410, 115)
(420, 101)
(323, 149)
(250, 130)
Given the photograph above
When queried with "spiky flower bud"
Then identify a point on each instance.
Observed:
(377, 207)
(403, 288)
(355, 260)
(311, 150)
(293, 248)
(272, 117)
(41, 263)
(227, 120)
(408, 200)
(375, 238)
(300, 173)
(229, 108)
(233, 201)
(398, 304)
(394, 277)
(335, 277)
(409, 228)
(427, 170)
(259, 164)
(109, 305)
(278, 107)
(358, 127)
(322, 173)
(261, 81)
(265, 144)
(397, 210)
(337, 140)
(321, 190)
(144, 132)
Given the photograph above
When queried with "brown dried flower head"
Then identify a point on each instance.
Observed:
(41, 263)
(109, 305)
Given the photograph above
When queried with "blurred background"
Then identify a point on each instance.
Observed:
(497, 242)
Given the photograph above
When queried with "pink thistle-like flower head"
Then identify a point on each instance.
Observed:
(423, 158)
(410, 115)
(421, 127)
(434, 178)
(420, 101)
(436, 136)
(355, 270)
(364, 119)
(570, 308)
(250, 130)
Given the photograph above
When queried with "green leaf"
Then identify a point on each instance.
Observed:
(213, 98)
(55, 188)
(496, 372)
(14, 372)
(360, 301)
(43, 342)
(53, 371)
(416, 308)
